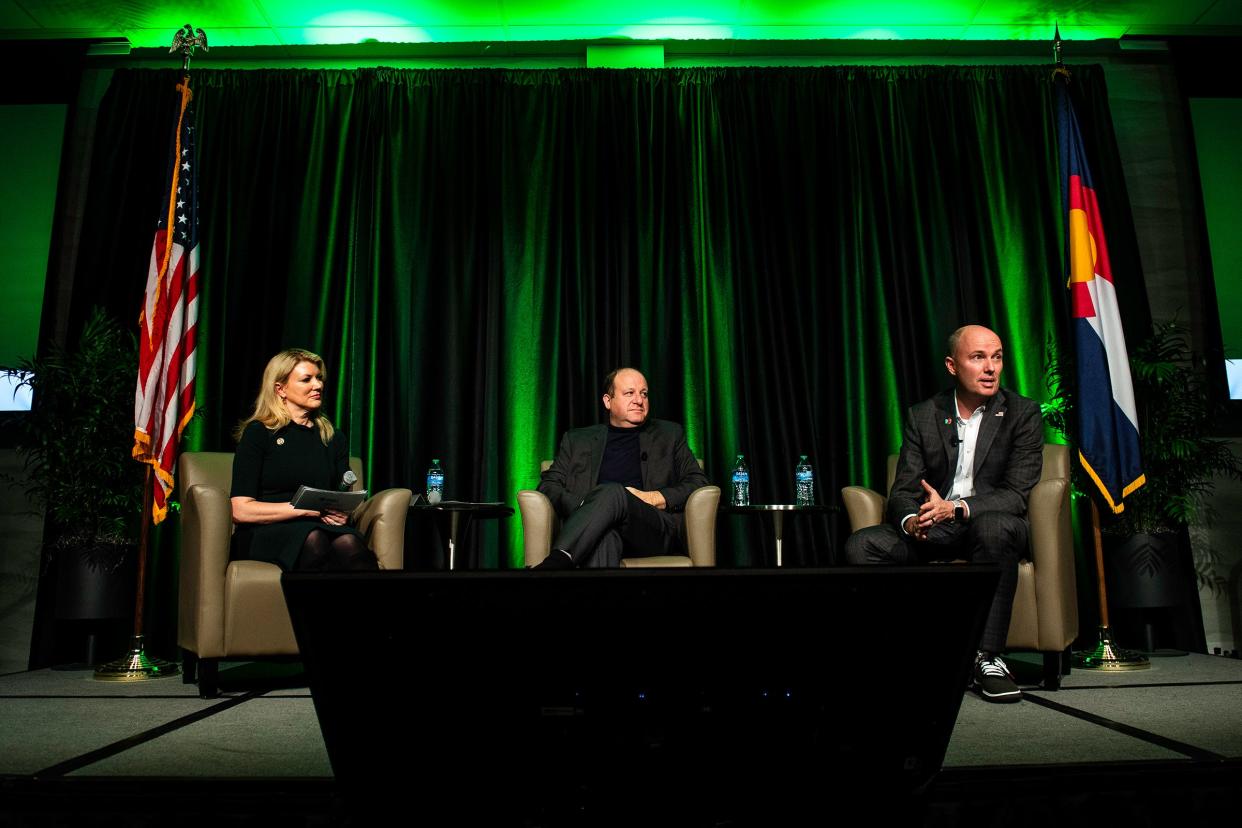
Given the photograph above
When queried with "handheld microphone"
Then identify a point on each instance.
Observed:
(348, 480)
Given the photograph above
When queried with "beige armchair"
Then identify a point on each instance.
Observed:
(539, 522)
(1045, 608)
(236, 609)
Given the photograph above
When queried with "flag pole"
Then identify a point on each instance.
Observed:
(1084, 240)
(1107, 656)
(136, 664)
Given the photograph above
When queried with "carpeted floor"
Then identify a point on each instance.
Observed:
(61, 731)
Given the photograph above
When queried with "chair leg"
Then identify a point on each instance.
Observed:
(189, 667)
(1052, 670)
(208, 678)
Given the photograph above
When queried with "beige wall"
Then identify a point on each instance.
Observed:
(1156, 154)
(21, 534)
(1218, 554)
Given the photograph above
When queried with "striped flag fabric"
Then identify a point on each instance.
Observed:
(164, 400)
(1108, 443)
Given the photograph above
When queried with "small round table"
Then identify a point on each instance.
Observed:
(460, 513)
(778, 512)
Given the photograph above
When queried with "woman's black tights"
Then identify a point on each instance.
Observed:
(327, 551)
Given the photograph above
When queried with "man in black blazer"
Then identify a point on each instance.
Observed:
(621, 488)
(969, 459)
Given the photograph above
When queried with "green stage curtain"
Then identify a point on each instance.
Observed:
(782, 251)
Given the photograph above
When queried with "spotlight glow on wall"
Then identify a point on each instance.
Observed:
(677, 28)
(361, 26)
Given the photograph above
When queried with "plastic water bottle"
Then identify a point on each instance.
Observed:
(741, 483)
(435, 483)
(804, 483)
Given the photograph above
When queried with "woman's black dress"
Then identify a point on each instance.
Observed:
(269, 466)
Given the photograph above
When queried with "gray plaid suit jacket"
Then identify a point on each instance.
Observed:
(1008, 455)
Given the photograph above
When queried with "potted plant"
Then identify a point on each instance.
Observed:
(75, 446)
(1143, 544)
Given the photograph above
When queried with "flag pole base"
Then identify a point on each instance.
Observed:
(135, 665)
(1107, 657)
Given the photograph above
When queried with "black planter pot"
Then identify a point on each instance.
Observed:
(1152, 593)
(94, 606)
(1143, 571)
(96, 582)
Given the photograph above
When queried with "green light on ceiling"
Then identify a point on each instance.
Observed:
(361, 26)
(317, 22)
(677, 28)
(876, 34)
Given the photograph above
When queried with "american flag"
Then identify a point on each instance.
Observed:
(164, 401)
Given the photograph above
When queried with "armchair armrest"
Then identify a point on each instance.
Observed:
(206, 530)
(538, 517)
(701, 525)
(381, 519)
(865, 507)
(1052, 553)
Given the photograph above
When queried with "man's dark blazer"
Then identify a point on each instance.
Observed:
(1009, 455)
(667, 465)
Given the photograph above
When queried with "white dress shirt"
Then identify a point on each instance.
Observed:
(964, 475)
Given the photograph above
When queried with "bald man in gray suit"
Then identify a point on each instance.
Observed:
(969, 459)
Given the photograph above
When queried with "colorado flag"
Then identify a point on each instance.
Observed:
(1108, 444)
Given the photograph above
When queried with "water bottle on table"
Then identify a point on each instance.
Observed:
(435, 483)
(741, 483)
(804, 483)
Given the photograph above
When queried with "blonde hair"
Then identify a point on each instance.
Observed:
(269, 409)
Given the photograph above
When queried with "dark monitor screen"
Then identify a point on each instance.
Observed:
(735, 683)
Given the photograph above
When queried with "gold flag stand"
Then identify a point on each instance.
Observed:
(136, 665)
(1107, 656)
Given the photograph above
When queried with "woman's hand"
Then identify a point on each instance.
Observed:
(334, 518)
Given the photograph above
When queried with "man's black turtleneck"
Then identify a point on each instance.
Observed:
(622, 461)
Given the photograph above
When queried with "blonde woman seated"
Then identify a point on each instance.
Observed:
(288, 442)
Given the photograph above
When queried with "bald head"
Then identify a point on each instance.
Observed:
(975, 360)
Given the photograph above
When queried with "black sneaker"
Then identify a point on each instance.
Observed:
(991, 679)
(557, 559)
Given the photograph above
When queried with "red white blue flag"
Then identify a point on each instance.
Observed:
(1108, 443)
(164, 402)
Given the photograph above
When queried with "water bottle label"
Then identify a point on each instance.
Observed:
(804, 480)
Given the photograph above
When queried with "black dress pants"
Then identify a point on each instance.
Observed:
(991, 537)
(610, 524)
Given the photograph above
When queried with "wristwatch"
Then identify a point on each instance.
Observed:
(959, 510)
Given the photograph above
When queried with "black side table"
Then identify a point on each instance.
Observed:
(778, 512)
(460, 514)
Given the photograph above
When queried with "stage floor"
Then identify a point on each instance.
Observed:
(1171, 734)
